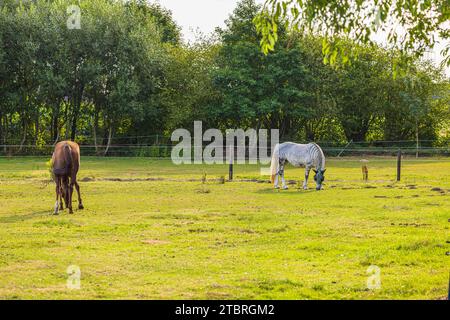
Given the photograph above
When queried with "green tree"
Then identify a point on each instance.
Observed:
(190, 94)
(411, 26)
(170, 32)
(360, 92)
(260, 91)
(414, 109)
(20, 69)
(65, 81)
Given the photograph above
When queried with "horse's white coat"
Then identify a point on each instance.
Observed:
(299, 155)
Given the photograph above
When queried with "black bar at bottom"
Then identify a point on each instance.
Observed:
(224, 309)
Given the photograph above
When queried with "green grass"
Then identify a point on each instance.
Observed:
(159, 233)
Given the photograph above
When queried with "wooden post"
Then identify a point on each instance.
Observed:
(365, 173)
(399, 164)
(365, 170)
(230, 171)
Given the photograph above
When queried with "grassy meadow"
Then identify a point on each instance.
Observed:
(153, 230)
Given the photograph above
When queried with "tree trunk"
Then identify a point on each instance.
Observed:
(105, 130)
(309, 131)
(73, 130)
(95, 129)
(417, 139)
(66, 120)
(36, 129)
(55, 130)
(55, 125)
(5, 133)
(1, 126)
(109, 139)
(76, 112)
(24, 137)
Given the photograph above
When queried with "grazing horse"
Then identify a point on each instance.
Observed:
(65, 165)
(307, 155)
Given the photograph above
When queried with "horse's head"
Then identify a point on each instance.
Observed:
(319, 178)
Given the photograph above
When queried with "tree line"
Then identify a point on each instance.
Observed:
(108, 70)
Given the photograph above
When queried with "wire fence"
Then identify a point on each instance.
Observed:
(160, 147)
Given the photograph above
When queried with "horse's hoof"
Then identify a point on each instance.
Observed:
(70, 211)
(80, 206)
(285, 188)
(55, 213)
(277, 187)
(305, 188)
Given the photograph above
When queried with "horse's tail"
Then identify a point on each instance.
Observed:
(274, 163)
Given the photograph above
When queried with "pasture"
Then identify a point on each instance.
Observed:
(152, 230)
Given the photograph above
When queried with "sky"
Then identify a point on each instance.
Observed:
(205, 15)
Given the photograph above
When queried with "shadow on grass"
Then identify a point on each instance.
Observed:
(290, 191)
(24, 217)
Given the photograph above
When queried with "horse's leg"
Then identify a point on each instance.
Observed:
(77, 186)
(277, 176)
(80, 202)
(305, 183)
(58, 192)
(71, 184)
(61, 195)
(283, 181)
(64, 190)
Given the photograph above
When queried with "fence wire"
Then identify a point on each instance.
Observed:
(161, 149)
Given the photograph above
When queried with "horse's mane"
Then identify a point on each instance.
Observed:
(321, 156)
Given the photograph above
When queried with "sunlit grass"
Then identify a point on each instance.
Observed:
(157, 233)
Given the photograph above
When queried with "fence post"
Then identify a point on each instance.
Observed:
(365, 173)
(399, 164)
(365, 170)
(230, 171)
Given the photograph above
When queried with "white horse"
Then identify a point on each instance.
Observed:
(299, 155)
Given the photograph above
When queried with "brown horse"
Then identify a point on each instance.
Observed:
(65, 165)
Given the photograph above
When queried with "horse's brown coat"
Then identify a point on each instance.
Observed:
(65, 166)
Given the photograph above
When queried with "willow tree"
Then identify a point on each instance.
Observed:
(412, 27)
